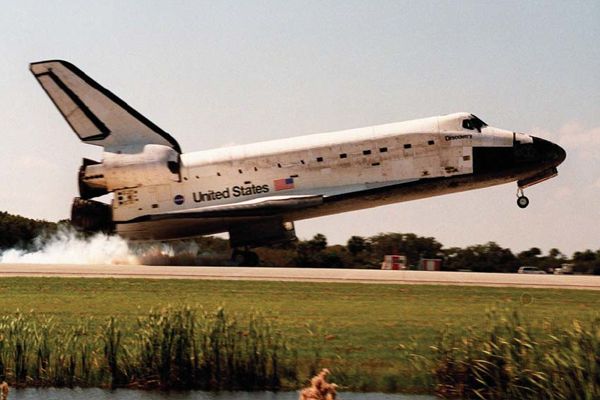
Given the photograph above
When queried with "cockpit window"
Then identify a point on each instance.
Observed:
(473, 123)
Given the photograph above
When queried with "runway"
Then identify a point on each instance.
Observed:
(302, 275)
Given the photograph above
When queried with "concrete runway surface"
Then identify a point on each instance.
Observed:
(302, 275)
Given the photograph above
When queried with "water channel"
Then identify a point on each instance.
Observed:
(124, 394)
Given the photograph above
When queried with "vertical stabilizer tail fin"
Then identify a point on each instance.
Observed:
(95, 114)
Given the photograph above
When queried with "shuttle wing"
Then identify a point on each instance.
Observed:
(96, 115)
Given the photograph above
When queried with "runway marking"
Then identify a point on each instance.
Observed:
(303, 275)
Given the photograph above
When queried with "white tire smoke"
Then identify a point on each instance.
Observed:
(69, 247)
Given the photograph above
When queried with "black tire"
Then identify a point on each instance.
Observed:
(244, 258)
(252, 259)
(522, 202)
(238, 257)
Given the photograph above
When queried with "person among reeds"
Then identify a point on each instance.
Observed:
(319, 388)
(3, 391)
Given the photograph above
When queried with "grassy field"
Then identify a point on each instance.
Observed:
(360, 329)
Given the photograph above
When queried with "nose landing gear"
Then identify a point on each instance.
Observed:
(522, 201)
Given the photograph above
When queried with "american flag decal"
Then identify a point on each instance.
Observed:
(283, 184)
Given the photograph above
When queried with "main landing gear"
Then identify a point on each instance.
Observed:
(522, 201)
(244, 258)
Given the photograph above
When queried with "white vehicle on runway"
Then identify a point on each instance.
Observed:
(256, 191)
(530, 270)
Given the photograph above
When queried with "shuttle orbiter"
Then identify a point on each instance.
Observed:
(255, 192)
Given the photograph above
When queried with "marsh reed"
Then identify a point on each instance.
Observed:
(170, 348)
(507, 358)
(184, 348)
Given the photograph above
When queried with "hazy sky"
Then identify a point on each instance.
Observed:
(218, 73)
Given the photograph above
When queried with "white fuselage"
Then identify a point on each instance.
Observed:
(321, 164)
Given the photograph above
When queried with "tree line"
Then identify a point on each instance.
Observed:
(20, 232)
(358, 252)
(368, 252)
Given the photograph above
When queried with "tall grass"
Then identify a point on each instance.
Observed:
(183, 348)
(168, 349)
(509, 359)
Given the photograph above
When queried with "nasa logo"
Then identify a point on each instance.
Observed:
(179, 199)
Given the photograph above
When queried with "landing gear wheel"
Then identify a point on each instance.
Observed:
(252, 259)
(237, 257)
(244, 258)
(522, 201)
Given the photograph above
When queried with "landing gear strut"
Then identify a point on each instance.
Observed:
(244, 257)
(522, 201)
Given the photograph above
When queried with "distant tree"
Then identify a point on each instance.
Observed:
(489, 257)
(584, 256)
(309, 253)
(330, 259)
(553, 260)
(531, 257)
(356, 244)
(596, 270)
(531, 253)
(450, 255)
(17, 231)
(555, 254)
(587, 261)
(318, 242)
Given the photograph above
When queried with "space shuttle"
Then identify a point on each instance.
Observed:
(255, 192)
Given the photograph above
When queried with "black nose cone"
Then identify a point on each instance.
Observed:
(561, 154)
(549, 152)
